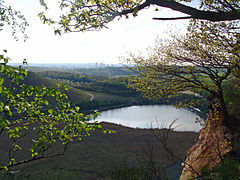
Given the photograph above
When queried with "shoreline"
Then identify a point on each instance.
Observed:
(192, 109)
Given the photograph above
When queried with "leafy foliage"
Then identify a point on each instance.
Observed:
(228, 169)
(232, 96)
(199, 63)
(138, 173)
(95, 14)
(13, 18)
(87, 14)
(25, 109)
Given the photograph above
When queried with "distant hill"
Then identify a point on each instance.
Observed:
(109, 72)
(91, 69)
(65, 66)
(75, 95)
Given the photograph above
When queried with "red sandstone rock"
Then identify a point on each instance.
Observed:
(211, 146)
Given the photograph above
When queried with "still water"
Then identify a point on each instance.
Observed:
(147, 116)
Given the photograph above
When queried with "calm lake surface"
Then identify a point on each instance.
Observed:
(147, 116)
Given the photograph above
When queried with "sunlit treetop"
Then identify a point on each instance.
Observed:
(83, 15)
(201, 62)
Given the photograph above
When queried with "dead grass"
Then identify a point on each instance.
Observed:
(94, 156)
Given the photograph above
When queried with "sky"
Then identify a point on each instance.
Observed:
(105, 46)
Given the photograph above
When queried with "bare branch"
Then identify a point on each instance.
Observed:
(173, 18)
(162, 135)
(36, 158)
(193, 12)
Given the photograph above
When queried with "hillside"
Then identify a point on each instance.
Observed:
(94, 157)
(75, 95)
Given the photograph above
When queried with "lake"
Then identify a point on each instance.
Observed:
(146, 116)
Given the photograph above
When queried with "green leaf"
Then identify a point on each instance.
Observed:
(135, 11)
(1, 81)
(46, 102)
(50, 111)
(3, 124)
(77, 108)
(19, 110)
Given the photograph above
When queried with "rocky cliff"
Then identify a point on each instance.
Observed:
(212, 145)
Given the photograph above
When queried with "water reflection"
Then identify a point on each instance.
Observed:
(151, 115)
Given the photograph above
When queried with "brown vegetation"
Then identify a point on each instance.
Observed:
(95, 156)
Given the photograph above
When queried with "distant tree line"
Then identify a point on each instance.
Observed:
(116, 85)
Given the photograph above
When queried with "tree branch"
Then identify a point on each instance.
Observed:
(191, 11)
(37, 158)
(162, 136)
(173, 18)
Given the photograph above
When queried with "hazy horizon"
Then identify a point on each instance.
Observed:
(104, 46)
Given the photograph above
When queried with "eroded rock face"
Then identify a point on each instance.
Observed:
(212, 145)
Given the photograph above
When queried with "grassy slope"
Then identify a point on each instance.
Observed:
(96, 155)
(75, 95)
